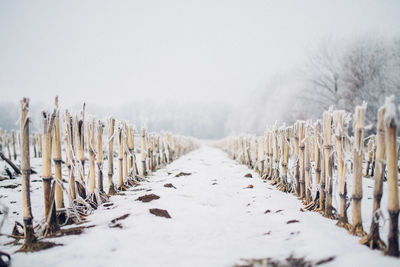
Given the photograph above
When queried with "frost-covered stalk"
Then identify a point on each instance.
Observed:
(153, 153)
(7, 144)
(373, 239)
(134, 154)
(240, 152)
(340, 141)
(171, 150)
(13, 141)
(297, 157)
(265, 156)
(255, 150)
(158, 154)
(373, 158)
(125, 151)
(131, 149)
(328, 164)
(26, 171)
(150, 151)
(143, 152)
(111, 126)
(39, 142)
(79, 151)
(91, 147)
(34, 146)
(269, 173)
(275, 154)
(240, 155)
(120, 158)
(80, 144)
(47, 125)
(312, 143)
(317, 159)
(285, 141)
(281, 137)
(358, 147)
(301, 159)
(261, 154)
(164, 151)
(57, 159)
(307, 163)
(248, 153)
(322, 201)
(70, 160)
(370, 148)
(100, 128)
(49, 202)
(392, 178)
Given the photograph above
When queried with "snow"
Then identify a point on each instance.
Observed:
(216, 221)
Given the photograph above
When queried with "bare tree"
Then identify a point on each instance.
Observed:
(322, 71)
(364, 69)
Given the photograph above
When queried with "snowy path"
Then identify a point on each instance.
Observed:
(215, 221)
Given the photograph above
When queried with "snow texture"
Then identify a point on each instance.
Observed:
(217, 220)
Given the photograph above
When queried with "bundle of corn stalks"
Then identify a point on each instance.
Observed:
(308, 159)
(69, 200)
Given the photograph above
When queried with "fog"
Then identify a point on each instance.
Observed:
(187, 66)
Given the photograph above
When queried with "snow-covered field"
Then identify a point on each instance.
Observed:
(216, 221)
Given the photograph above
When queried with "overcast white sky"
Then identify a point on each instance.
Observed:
(117, 51)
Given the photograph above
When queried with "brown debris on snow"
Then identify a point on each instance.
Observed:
(169, 186)
(248, 175)
(292, 221)
(72, 231)
(160, 212)
(183, 174)
(114, 222)
(148, 198)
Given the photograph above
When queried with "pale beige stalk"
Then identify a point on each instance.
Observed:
(29, 234)
(357, 192)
